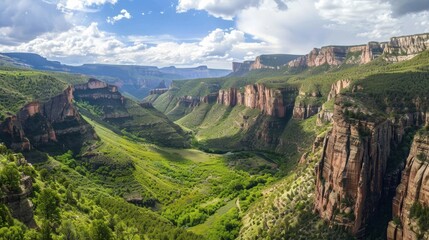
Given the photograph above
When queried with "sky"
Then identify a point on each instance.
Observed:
(188, 33)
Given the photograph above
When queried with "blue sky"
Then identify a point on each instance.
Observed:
(198, 32)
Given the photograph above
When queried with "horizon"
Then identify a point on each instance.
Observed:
(190, 33)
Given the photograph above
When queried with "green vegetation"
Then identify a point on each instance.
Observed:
(185, 186)
(20, 86)
(421, 213)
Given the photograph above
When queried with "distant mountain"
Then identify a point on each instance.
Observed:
(133, 80)
(267, 61)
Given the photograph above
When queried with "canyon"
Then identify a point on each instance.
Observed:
(53, 124)
(412, 191)
(395, 50)
(352, 174)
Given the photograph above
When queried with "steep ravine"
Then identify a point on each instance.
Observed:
(352, 173)
(54, 125)
(412, 192)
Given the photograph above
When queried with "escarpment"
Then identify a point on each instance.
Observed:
(350, 177)
(104, 101)
(19, 203)
(395, 50)
(269, 61)
(412, 193)
(104, 95)
(53, 124)
(271, 102)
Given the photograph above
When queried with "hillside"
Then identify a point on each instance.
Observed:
(328, 145)
(132, 80)
(365, 102)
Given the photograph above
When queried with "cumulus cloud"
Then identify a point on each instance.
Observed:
(124, 14)
(83, 44)
(314, 23)
(369, 18)
(225, 9)
(82, 5)
(23, 20)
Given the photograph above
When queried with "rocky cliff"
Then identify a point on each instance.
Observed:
(412, 191)
(271, 102)
(351, 174)
(268, 61)
(103, 95)
(104, 100)
(397, 49)
(19, 203)
(53, 124)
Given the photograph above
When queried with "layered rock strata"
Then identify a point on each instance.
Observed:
(351, 175)
(397, 49)
(271, 102)
(413, 189)
(55, 122)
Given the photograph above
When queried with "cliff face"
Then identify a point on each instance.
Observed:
(54, 123)
(350, 178)
(20, 205)
(269, 61)
(271, 102)
(303, 111)
(104, 95)
(241, 68)
(397, 49)
(140, 119)
(412, 190)
(405, 47)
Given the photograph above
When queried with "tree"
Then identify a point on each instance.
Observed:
(10, 177)
(68, 231)
(49, 211)
(12, 233)
(100, 230)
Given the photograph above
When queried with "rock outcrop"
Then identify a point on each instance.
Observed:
(54, 123)
(337, 87)
(241, 67)
(271, 102)
(303, 111)
(351, 174)
(20, 204)
(158, 91)
(104, 95)
(397, 49)
(412, 190)
(269, 61)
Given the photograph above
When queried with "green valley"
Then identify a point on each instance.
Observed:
(328, 145)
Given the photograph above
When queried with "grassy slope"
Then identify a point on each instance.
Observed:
(20, 86)
(188, 185)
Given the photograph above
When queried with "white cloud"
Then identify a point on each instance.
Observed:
(82, 5)
(89, 44)
(124, 14)
(225, 9)
(22, 20)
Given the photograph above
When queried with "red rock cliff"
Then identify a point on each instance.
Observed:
(272, 102)
(54, 122)
(350, 175)
(413, 189)
(397, 49)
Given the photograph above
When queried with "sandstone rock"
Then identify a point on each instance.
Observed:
(271, 102)
(302, 111)
(337, 87)
(20, 205)
(352, 171)
(43, 124)
(397, 49)
(414, 188)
